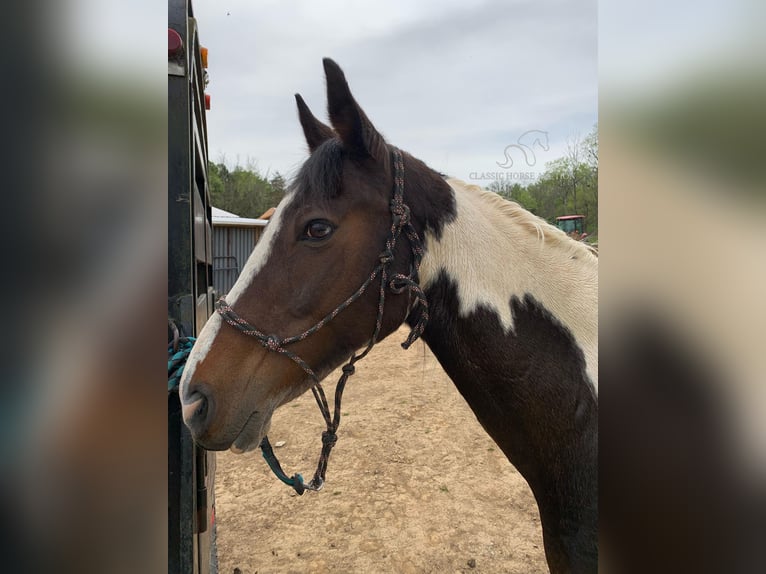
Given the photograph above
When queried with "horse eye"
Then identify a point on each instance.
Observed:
(319, 229)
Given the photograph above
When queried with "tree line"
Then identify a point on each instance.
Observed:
(243, 190)
(569, 186)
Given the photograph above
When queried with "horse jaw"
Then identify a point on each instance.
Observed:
(256, 427)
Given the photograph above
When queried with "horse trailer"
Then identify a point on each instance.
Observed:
(191, 469)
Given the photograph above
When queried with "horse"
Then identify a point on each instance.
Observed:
(506, 302)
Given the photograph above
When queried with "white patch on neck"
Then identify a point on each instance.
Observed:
(494, 250)
(254, 264)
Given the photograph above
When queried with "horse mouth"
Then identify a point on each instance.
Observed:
(255, 428)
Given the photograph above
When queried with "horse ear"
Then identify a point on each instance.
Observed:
(354, 128)
(315, 131)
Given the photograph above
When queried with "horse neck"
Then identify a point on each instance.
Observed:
(495, 252)
(513, 322)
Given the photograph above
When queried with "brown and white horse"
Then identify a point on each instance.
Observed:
(512, 305)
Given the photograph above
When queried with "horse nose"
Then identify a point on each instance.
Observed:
(197, 409)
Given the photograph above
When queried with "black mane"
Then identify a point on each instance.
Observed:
(320, 175)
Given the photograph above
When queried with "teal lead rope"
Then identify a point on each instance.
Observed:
(177, 355)
(296, 480)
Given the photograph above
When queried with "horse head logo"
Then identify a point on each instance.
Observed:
(525, 144)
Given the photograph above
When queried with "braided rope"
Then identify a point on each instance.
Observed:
(178, 352)
(401, 221)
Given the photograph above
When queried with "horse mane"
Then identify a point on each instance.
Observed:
(321, 174)
(546, 233)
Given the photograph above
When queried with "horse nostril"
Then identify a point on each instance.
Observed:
(196, 412)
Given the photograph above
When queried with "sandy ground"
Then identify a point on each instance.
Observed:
(414, 484)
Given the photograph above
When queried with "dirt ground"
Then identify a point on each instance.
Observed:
(414, 484)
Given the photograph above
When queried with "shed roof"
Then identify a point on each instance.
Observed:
(226, 218)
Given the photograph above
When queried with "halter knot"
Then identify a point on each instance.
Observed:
(401, 282)
(329, 438)
(349, 369)
(400, 212)
(386, 257)
(272, 343)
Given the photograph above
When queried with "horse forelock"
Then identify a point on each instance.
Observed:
(320, 176)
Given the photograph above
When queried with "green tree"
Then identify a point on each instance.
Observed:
(215, 180)
(590, 146)
(243, 190)
(514, 192)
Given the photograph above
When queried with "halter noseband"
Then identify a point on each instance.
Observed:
(397, 283)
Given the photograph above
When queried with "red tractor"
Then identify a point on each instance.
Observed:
(572, 225)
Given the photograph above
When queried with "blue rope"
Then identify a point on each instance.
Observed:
(296, 480)
(177, 361)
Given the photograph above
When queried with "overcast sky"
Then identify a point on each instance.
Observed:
(452, 82)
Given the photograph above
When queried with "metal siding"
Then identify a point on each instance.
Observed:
(231, 248)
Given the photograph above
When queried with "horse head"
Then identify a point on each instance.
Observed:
(324, 240)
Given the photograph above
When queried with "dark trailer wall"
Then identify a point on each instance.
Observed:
(191, 515)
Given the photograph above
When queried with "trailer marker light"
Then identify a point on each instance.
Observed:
(175, 43)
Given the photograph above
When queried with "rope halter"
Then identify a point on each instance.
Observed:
(397, 283)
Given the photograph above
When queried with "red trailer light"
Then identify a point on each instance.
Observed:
(175, 43)
(207, 101)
